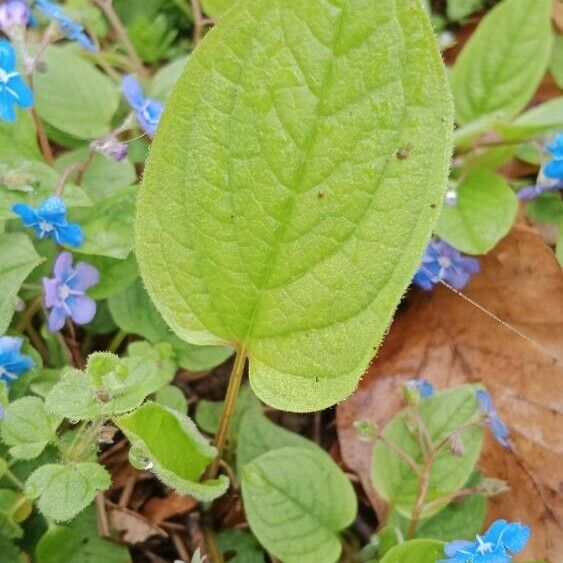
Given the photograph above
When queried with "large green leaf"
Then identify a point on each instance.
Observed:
(297, 501)
(216, 8)
(292, 187)
(505, 59)
(541, 119)
(65, 490)
(73, 95)
(17, 258)
(168, 443)
(556, 66)
(443, 413)
(19, 140)
(485, 211)
(79, 542)
(416, 551)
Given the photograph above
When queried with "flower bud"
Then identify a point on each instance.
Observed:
(13, 13)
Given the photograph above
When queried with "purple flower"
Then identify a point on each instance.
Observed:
(70, 28)
(13, 12)
(497, 545)
(443, 262)
(50, 221)
(65, 292)
(494, 422)
(424, 388)
(553, 172)
(12, 362)
(532, 192)
(111, 147)
(13, 90)
(147, 110)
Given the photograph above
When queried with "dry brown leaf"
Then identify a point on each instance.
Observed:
(158, 509)
(449, 341)
(136, 528)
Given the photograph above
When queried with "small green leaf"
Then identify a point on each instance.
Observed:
(484, 213)
(297, 501)
(169, 443)
(548, 208)
(165, 79)
(73, 95)
(9, 550)
(111, 385)
(109, 231)
(27, 427)
(258, 435)
(416, 551)
(283, 208)
(65, 490)
(489, 76)
(134, 312)
(216, 8)
(242, 544)
(443, 413)
(544, 118)
(173, 398)
(17, 259)
(79, 542)
(10, 501)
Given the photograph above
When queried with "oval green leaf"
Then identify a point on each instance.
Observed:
(416, 551)
(484, 213)
(297, 501)
(293, 185)
(503, 63)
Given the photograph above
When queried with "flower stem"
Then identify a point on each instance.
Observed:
(107, 7)
(117, 340)
(235, 380)
(421, 495)
(11, 477)
(200, 22)
(44, 145)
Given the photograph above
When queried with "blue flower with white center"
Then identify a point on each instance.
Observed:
(147, 110)
(494, 422)
(13, 89)
(50, 221)
(65, 293)
(424, 388)
(12, 362)
(497, 545)
(70, 28)
(443, 262)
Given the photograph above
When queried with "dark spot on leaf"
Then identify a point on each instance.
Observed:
(433, 206)
(403, 152)
(320, 194)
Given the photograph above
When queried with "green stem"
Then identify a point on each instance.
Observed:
(117, 340)
(421, 495)
(235, 380)
(11, 477)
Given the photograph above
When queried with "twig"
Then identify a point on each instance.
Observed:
(200, 22)
(421, 495)
(107, 7)
(102, 515)
(213, 551)
(44, 145)
(180, 547)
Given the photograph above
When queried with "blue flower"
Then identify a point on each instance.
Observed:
(425, 388)
(65, 292)
(443, 262)
(50, 221)
(12, 13)
(554, 168)
(13, 90)
(495, 423)
(12, 362)
(147, 110)
(70, 28)
(501, 540)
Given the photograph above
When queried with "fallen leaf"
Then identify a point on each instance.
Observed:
(449, 341)
(136, 528)
(158, 509)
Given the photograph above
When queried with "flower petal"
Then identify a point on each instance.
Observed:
(454, 546)
(27, 214)
(63, 266)
(57, 319)
(53, 210)
(10, 344)
(515, 536)
(51, 292)
(82, 309)
(69, 234)
(132, 91)
(23, 91)
(86, 276)
(7, 56)
(494, 533)
(485, 401)
(554, 169)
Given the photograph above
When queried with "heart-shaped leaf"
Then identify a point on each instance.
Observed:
(415, 551)
(293, 185)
